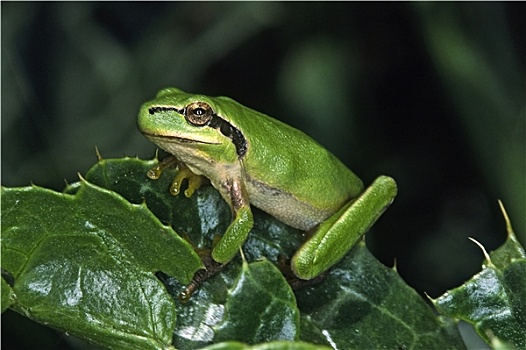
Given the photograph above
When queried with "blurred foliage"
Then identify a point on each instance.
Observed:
(429, 93)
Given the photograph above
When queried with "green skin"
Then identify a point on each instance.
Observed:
(252, 159)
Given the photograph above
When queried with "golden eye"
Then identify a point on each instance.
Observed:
(198, 113)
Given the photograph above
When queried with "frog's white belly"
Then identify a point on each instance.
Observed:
(284, 206)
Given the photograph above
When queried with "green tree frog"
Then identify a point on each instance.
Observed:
(253, 159)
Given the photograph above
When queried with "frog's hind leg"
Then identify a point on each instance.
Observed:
(339, 233)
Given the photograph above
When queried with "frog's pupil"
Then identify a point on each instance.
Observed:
(199, 111)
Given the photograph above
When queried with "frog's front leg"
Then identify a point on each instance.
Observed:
(183, 173)
(339, 233)
(235, 193)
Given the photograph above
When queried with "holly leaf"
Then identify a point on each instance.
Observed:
(272, 306)
(362, 304)
(249, 301)
(494, 300)
(86, 264)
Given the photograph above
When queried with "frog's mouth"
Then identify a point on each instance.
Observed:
(163, 138)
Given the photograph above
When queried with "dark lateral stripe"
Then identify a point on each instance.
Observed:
(231, 132)
(153, 110)
(216, 122)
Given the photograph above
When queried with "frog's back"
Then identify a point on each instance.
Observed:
(290, 175)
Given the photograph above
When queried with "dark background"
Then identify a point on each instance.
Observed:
(429, 93)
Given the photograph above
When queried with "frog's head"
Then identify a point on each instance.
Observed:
(177, 122)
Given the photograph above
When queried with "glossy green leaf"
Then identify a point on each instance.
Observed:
(494, 300)
(85, 263)
(248, 302)
(364, 305)
(269, 314)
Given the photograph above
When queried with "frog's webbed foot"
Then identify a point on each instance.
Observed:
(295, 282)
(183, 173)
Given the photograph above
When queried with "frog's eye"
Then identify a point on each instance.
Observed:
(198, 113)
